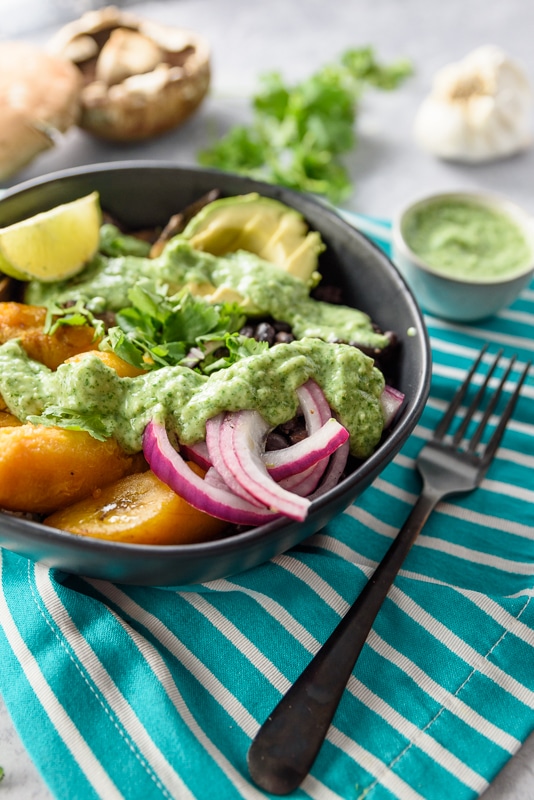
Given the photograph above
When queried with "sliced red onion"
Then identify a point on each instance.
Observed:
(314, 405)
(198, 453)
(391, 400)
(213, 443)
(303, 483)
(334, 471)
(241, 441)
(244, 484)
(170, 467)
(306, 453)
(214, 479)
(316, 411)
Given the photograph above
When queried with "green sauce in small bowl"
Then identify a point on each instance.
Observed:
(466, 239)
(465, 255)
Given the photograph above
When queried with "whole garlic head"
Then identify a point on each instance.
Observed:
(479, 109)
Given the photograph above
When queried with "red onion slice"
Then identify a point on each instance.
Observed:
(303, 483)
(306, 453)
(391, 400)
(314, 405)
(334, 471)
(241, 443)
(170, 467)
(316, 411)
(213, 443)
(198, 453)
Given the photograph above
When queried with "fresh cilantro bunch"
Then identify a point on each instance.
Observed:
(157, 332)
(299, 133)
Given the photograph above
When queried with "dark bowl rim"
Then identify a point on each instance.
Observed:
(364, 471)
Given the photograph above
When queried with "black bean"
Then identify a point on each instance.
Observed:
(282, 337)
(281, 326)
(276, 441)
(265, 333)
(328, 294)
(247, 330)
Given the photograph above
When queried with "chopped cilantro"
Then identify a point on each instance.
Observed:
(95, 424)
(299, 132)
(156, 331)
(77, 314)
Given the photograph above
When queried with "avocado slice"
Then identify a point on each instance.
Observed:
(261, 225)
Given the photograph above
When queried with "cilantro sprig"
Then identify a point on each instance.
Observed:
(74, 420)
(155, 332)
(300, 132)
(77, 314)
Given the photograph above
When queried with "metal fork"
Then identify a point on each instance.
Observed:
(287, 744)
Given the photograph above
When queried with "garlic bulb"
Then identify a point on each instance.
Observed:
(478, 110)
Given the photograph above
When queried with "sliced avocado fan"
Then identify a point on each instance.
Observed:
(261, 225)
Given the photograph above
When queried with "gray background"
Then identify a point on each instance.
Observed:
(296, 37)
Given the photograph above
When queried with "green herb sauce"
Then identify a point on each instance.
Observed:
(88, 395)
(468, 240)
(264, 289)
(78, 394)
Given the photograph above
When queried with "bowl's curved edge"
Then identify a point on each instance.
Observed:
(186, 564)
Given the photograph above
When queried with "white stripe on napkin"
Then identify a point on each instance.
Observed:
(63, 724)
(425, 742)
(451, 702)
(231, 704)
(161, 672)
(146, 751)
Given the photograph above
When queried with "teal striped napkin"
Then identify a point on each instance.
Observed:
(145, 693)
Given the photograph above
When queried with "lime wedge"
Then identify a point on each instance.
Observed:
(54, 244)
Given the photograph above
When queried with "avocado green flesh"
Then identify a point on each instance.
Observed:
(260, 225)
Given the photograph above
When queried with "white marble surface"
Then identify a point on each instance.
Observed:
(388, 168)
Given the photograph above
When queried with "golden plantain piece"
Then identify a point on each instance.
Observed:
(110, 359)
(43, 469)
(138, 509)
(7, 420)
(24, 322)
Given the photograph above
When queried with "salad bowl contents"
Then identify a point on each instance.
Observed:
(229, 369)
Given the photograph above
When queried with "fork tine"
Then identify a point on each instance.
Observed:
(475, 439)
(458, 436)
(447, 418)
(497, 435)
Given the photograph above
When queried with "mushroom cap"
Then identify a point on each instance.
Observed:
(140, 78)
(39, 97)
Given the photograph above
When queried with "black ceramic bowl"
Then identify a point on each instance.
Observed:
(143, 194)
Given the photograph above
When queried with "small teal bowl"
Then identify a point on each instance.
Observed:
(456, 298)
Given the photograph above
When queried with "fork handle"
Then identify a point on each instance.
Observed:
(287, 744)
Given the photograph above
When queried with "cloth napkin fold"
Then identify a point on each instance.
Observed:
(132, 692)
